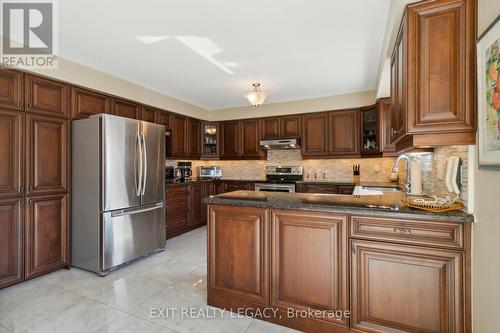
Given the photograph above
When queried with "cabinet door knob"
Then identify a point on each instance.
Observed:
(29, 105)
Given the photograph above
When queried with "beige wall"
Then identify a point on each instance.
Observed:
(486, 231)
(299, 106)
(85, 76)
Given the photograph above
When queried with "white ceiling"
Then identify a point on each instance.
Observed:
(210, 52)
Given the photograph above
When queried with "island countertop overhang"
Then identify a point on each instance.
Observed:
(387, 205)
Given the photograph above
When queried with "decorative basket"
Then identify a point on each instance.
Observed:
(431, 206)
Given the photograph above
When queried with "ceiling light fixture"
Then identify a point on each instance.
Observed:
(256, 97)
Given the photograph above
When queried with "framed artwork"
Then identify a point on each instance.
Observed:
(488, 95)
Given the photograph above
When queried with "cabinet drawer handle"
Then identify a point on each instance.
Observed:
(29, 105)
(402, 230)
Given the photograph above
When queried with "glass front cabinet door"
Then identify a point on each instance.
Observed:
(210, 140)
(370, 132)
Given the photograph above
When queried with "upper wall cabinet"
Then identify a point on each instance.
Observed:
(270, 128)
(164, 118)
(85, 103)
(193, 132)
(344, 132)
(148, 114)
(11, 89)
(250, 137)
(230, 139)
(384, 127)
(433, 75)
(46, 96)
(290, 127)
(179, 135)
(125, 108)
(315, 134)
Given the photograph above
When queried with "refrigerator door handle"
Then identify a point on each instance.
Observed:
(145, 164)
(138, 173)
(133, 211)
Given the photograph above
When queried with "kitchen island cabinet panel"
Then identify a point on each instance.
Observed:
(308, 260)
(238, 253)
(401, 288)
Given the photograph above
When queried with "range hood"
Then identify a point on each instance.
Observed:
(280, 144)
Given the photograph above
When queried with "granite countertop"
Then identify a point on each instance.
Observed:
(386, 205)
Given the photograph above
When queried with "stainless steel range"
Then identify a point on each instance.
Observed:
(280, 179)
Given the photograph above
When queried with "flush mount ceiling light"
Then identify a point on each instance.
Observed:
(256, 97)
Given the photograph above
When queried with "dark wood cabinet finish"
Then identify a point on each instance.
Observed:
(270, 128)
(149, 114)
(47, 155)
(11, 153)
(308, 262)
(433, 75)
(315, 134)
(406, 288)
(177, 213)
(238, 185)
(238, 253)
(345, 189)
(11, 89)
(123, 108)
(193, 134)
(384, 112)
(195, 206)
(210, 140)
(11, 241)
(219, 187)
(46, 244)
(207, 189)
(344, 132)
(230, 139)
(290, 127)
(370, 130)
(163, 118)
(441, 75)
(250, 137)
(179, 135)
(46, 96)
(326, 188)
(85, 103)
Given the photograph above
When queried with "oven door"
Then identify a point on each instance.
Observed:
(274, 187)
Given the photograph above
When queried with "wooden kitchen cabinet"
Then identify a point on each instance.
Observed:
(433, 67)
(12, 155)
(406, 288)
(11, 89)
(85, 103)
(46, 235)
(270, 128)
(11, 241)
(123, 108)
(163, 118)
(230, 139)
(195, 207)
(46, 96)
(344, 133)
(290, 127)
(179, 135)
(47, 155)
(315, 134)
(384, 115)
(177, 213)
(210, 142)
(238, 185)
(193, 134)
(238, 253)
(207, 189)
(250, 139)
(312, 247)
(149, 114)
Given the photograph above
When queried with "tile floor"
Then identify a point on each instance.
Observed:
(79, 301)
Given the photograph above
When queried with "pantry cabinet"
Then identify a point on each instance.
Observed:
(46, 246)
(12, 156)
(11, 89)
(433, 75)
(11, 241)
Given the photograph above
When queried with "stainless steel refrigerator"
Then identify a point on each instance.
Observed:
(118, 196)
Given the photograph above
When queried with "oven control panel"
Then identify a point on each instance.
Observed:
(284, 170)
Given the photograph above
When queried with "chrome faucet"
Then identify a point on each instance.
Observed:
(395, 168)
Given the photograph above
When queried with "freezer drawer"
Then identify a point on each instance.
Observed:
(132, 233)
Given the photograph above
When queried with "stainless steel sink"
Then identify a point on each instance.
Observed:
(382, 188)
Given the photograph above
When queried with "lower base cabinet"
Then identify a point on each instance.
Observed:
(308, 263)
(402, 288)
(11, 241)
(46, 234)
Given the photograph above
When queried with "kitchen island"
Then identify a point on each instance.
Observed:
(339, 263)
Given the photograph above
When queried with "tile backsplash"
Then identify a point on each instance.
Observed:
(372, 169)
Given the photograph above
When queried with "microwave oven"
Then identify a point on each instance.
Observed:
(211, 171)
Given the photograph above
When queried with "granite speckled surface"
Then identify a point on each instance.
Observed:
(386, 205)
